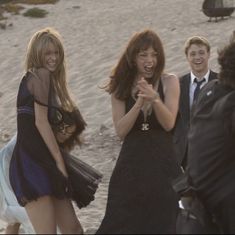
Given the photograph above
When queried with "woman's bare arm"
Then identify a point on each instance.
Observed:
(44, 128)
(124, 122)
(166, 112)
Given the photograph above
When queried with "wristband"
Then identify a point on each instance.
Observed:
(156, 97)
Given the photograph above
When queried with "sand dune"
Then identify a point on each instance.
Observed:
(95, 32)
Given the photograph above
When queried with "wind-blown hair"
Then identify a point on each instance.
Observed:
(124, 74)
(35, 57)
(226, 60)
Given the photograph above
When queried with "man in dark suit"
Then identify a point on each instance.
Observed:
(197, 51)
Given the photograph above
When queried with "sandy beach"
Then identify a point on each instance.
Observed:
(95, 33)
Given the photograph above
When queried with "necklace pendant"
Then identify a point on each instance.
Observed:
(145, 127)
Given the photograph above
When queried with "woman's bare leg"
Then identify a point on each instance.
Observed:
(12, 228)
(66, 218)
(42, 215)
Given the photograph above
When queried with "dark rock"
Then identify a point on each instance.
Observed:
(218, 8)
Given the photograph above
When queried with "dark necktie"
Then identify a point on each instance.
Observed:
(198, 87)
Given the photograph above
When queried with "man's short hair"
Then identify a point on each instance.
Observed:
(198, 40)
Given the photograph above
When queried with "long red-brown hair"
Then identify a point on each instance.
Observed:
(124, 74)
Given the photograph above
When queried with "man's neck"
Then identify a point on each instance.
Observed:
(200, 75)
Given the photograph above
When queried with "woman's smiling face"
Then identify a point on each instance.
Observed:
(146, 62)
(51, 58)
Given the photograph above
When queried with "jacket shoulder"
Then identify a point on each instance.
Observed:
(213, 75)
(185, 76)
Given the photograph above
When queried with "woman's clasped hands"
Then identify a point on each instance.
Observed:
(146, 91)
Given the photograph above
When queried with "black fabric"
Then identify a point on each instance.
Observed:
(83, 179)
(211, 150)
(187, 223)
(194, 217)
(225, 214)
(140, 187)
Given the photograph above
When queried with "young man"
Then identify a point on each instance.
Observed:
(197, 51)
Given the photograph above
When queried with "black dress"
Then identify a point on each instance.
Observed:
(33, 172)
(141, 199)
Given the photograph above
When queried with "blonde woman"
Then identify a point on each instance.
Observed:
(38, 174)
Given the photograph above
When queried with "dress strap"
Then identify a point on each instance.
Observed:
(160, 90)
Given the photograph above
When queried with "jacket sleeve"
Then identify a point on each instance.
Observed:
(233, 121)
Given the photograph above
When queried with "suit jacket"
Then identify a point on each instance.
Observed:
(183, 118)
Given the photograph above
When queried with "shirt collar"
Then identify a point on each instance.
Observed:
(206, 77)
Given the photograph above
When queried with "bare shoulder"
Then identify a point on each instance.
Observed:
(40, 73)
(43, 73)
(115, 100)
(169, 76)
(170, 79)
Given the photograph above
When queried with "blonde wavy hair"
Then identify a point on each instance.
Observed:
(37, 48)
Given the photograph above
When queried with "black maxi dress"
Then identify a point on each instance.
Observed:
(141, 199)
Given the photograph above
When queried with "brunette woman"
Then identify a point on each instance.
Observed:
(145, 100)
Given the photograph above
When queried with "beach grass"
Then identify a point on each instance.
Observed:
(14, 7)
(34, 2)
(35, 13)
